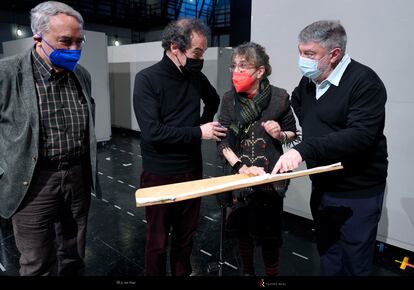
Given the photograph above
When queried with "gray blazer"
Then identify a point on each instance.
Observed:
(19, 129)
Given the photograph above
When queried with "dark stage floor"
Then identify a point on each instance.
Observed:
(116, 230)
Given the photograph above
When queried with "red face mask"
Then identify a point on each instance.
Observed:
(242, 81)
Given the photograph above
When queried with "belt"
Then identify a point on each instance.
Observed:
(58, 164)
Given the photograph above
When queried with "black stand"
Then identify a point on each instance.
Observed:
(218, 266)
(222, 228)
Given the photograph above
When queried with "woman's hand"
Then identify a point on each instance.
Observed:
(273, 129)
(252, 170)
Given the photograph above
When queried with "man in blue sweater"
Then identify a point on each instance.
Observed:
(340, 105)
(167, 106)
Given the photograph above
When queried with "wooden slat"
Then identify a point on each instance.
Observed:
(204, 187)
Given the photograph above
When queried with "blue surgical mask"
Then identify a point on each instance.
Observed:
(309, 67)
(63, 58)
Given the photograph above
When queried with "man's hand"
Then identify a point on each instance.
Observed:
(273, 129)
(213, 131)
(288, 161)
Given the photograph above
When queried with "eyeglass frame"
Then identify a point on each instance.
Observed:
(243, 66)
(78, 42)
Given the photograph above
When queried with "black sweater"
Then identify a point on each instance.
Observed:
(345, 125)
(167, 107)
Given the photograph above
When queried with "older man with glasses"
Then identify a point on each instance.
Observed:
(47, 143)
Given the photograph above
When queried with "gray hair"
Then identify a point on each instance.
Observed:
(39, 16)
(329, 34)
(179, 32)
(255, 54)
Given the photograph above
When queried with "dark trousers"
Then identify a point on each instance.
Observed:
(51, 221)
(346, 231)
(181, 216)
(270, 254)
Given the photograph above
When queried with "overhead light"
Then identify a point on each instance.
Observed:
(19, 32)
(116, 41)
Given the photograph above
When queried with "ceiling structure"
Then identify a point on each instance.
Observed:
(141, 15)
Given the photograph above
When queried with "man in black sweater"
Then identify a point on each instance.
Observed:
(340, 105)
(167, 106)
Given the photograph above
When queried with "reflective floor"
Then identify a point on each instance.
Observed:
(116, 229)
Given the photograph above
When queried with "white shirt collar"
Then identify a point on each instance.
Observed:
(335, 76)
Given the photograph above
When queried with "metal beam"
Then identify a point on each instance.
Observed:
(178, 9)
(201, 9)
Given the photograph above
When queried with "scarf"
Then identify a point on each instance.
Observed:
(247, 111)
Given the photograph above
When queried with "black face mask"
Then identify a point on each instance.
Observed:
(194, 65)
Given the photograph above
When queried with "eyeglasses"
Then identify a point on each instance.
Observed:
(243, 66)
(67, 41)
